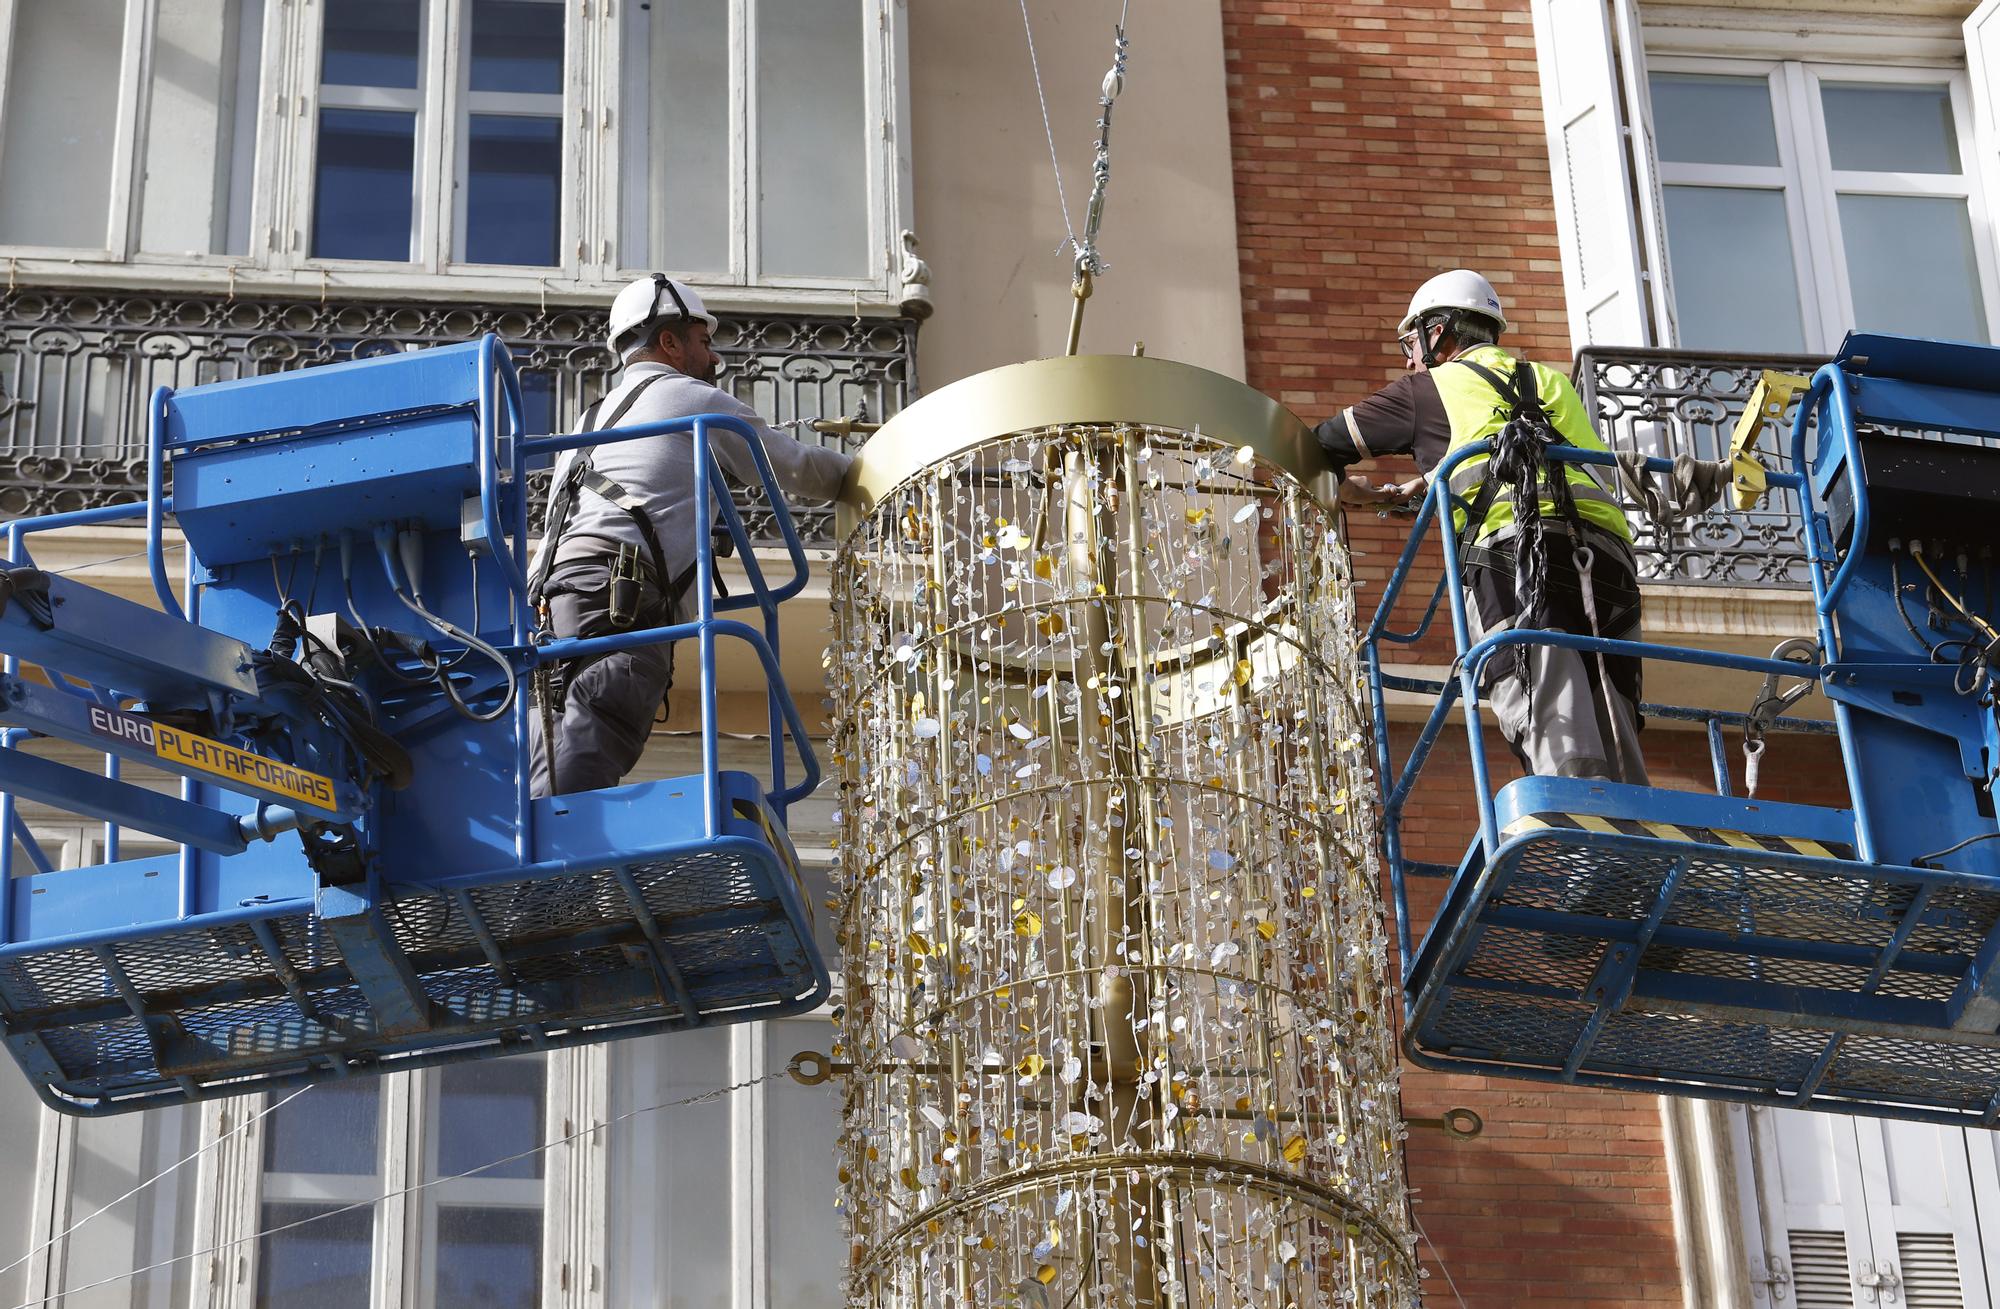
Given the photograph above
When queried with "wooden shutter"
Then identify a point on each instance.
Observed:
(1645, 163)
(1807, 1173)
(1982, 61)
(1859, 1213)
(1584, 105)
(1917, 1180)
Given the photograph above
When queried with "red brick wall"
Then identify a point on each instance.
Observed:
(1375, 144)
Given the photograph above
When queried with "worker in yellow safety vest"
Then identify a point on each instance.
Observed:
(1565, 563)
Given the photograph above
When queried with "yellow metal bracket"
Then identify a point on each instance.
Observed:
(1768, 402)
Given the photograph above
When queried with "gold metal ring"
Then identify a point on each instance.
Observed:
(1462, 1124)
(822, 1067)
(1079, 390)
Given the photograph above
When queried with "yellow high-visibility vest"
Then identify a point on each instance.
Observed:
(1477, 413)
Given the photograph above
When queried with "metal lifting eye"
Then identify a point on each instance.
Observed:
(821, 1066)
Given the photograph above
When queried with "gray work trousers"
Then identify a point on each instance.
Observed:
(1567, 719)
(609, 703)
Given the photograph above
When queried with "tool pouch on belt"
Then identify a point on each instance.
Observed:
(627, 581)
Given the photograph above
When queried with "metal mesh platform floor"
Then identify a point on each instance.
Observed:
(665, 939)
(1717, 964)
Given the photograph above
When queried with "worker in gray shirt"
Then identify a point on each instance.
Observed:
(620, 546)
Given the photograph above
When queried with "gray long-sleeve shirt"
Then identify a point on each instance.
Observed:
(660, 469)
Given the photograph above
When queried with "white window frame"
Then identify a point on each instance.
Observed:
(573, 1193)
(1830, 184)
(485, 1191)
(566, 107)
(279, 259)
(404, 1253)
(254, 163)
(121, 214)
(627, 204)
(885, 90)
(1786, 177)
(386, 1263)
(425, 102)
(749, 1192)
(1811, 186)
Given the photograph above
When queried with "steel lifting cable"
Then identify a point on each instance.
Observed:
(700, 1098)
(1035, 66)
(1089, 263)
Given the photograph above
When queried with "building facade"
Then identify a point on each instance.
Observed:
(1669, 195)
(1674, 196)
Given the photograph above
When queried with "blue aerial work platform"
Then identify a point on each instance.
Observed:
(362, 880)
(1711, 945)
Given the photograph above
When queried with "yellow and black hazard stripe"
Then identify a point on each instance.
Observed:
(1678, 832)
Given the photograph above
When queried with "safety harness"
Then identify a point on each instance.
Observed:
(1519, 463)
(580, 476)
(551, 683)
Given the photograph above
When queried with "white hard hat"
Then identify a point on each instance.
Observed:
(1461, 288)
(648, 298)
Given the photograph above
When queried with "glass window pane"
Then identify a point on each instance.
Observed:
(60, 123)
(488, 1258)
(812, 134)
(513, 189)
(331, 1129)
(322, 1265)
(371, 43)
(1704, 119)
(538, 405)
(670, 1175)
(1735, 287)
(201, 128)
(676, 143)
(517, 45)
(20, 1130)
(800, 1181)
(1890, 129)
(1910, 266)
(490, 1109)
(362, 190)
(114, 1155)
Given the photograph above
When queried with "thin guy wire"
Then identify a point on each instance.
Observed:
(199, 1151)
(717, 1094)
(1438, 1255)
(1069, 228)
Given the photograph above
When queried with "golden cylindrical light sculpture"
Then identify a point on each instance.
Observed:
(1116, 1006)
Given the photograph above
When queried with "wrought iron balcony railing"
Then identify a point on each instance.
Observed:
(1671, 402)
(76, 368)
